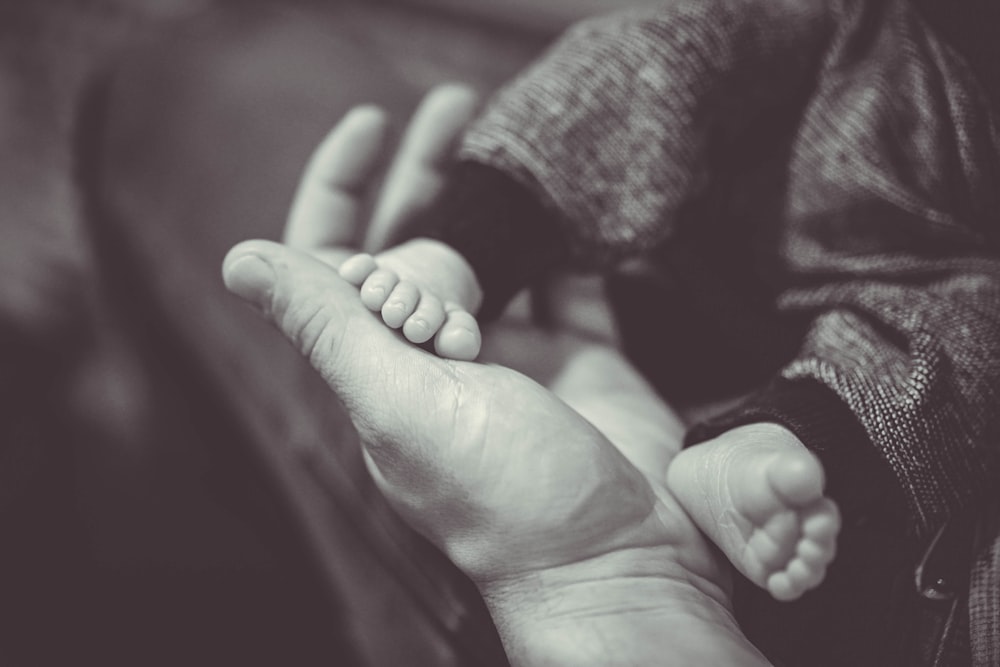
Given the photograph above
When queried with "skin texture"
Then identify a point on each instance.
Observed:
(757, 492)
(553, 499)
(425, 289)
(578, 553)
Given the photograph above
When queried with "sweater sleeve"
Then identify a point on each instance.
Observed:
(857, 475)
(617, 129)
(888, 248)
(499, 227)
(589, 156)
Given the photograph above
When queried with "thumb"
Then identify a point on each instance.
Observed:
(387, 385)
(310, 304)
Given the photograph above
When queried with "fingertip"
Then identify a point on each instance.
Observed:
(250, 276)
(344, 158)
(367, 114)
(259, 248)
(454, 93)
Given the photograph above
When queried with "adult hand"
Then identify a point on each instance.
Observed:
(579, 550)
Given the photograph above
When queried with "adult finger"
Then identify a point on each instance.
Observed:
(419, 169)
(327, 206)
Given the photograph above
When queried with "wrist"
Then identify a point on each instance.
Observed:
(618, 609)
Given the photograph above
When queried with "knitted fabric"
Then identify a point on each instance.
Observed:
(879, 224)
(984, 597)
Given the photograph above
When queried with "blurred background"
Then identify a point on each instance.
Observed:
(138, 523)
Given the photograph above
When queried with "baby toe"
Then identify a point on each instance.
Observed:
(377, 287)
(425, 321)
(822, 522)
(803, 575)
(797, 477)
(816, 554)
(459, 337)
(782, 588)
(774, 544)
(400, 305)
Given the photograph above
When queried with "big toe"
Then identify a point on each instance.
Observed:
(459, 337)
(796, 477)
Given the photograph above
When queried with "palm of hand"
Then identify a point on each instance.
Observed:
(499, 472)
(509, 479)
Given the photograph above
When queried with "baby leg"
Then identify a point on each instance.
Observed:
(424, 288)
(758, 494)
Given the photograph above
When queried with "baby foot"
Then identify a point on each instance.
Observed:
(758, 494)
(425, 289)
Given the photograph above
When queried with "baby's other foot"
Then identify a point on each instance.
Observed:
(758, 494)
(415, 309)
